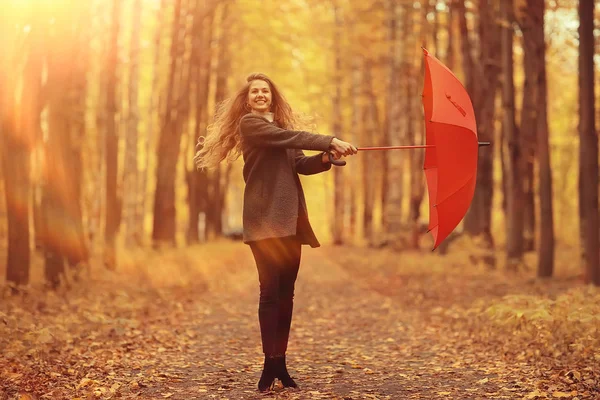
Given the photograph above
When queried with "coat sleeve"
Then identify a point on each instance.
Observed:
(310, 165)
(257, 131)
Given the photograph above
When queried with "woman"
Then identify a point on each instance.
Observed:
(257, 122)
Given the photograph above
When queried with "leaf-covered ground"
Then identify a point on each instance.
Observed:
(368, 324)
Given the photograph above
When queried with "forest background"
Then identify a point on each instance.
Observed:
(102, 103)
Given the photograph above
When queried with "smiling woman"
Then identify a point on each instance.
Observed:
(257, 122)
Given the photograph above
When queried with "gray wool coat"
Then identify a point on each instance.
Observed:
(274, 203)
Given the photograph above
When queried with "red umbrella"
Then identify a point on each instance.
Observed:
(450, 151)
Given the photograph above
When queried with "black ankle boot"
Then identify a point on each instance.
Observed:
(268, 374)
(283, 374)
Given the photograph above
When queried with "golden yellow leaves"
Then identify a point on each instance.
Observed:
(366, 326)
(565, 325)
(537, 394)
(97, 388)
(26, 396)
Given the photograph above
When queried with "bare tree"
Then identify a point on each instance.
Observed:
(113, 202)
(337, 222)
(415, 129)
(154, 101)
(588, 146)
(198, 180)
(482, 85)
(449, 55)
(219, 177)
(132, 229)
(77, 103)
(368, 159)
(168, 148)
(536, 12)
(17, 140)
(514, 164)
(354, 196)
(63, 239)
(393, 190)
(528, 126)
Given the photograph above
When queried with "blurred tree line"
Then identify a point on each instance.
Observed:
(102, 103)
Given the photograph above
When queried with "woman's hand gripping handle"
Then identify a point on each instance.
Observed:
(339, 148)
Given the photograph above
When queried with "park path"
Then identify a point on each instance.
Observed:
(352, 338)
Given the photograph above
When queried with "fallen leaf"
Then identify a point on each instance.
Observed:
(26, 396)
(564, 394)
(535, 394)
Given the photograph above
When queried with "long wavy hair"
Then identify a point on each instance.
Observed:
(222, 140)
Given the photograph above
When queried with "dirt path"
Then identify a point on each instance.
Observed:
(348, 341)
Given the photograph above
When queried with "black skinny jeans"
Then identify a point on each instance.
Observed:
(277, 261)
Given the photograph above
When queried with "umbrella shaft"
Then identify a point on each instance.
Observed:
(397, 147)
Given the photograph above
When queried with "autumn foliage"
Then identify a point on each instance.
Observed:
(183, 324)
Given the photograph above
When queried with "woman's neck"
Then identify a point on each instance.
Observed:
(266, 114)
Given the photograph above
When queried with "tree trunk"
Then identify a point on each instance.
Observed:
(536, 9)
(196, 58)
(97, 168)
(588, 146)
(78, 127)
(187, 79)
(429, 7)
(337, 222)
(369, 115)
(482, 84)
(63, 238)
(449, 56)
(3, 212)
(112, 200)
(32, 98)
(528, 129)
(198, 180)
(356, 127)
(514, 164)
(218, 191)
(393, 192)
(16, 147)
(415, 133)
(529, 220)
(466, 48)
(132, 231)
(168, 150)
(142, 205)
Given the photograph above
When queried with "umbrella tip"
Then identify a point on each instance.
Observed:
(425, 51)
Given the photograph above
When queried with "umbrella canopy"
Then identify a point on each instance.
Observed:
(451, 161)
(451, 148)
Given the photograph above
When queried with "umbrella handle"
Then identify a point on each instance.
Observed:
(339, 163)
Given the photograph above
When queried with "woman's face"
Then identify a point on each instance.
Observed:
(259, 96)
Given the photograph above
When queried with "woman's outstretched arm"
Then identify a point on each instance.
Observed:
(257, 131)
(310, 165)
